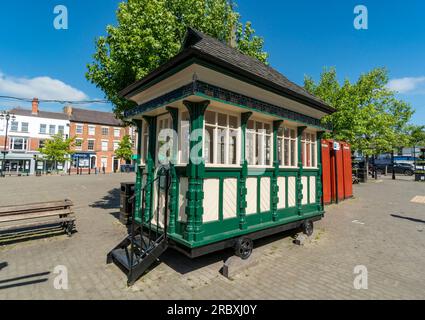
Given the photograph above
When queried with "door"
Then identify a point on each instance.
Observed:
(104, 164)
(116, 165)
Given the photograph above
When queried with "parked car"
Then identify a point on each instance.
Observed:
(400, 168)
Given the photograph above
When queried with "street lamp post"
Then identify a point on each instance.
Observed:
(5, 115)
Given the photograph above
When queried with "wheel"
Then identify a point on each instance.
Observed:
(408, 173)
(243, 248)
(308, 228)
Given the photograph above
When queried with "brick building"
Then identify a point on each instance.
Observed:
(98, 135)
(27, 132)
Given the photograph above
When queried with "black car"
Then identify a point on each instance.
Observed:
(401, 168)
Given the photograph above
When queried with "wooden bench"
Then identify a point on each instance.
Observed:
(22, 220)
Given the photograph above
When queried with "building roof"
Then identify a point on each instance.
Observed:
(204, 47)
(41, 114)
(95, 117)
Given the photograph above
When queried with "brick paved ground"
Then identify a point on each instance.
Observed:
(388, 238)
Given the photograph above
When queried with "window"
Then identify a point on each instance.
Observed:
(116, 145)
(78, 144)
(105, 131)
(145, 140)
(52, 129)
(185, 137)
(14, 126)
(24, 126)
(79, 129)
(43, 128)
(287, 147)
(61, 129)
(41, 144)
(104, 145)
(117, 132)
(259, 143)
(90, 145)
(308, 142)
(92, 130)
(18, 144)
(221, 138)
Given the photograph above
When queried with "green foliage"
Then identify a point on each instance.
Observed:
(57, 149)
(368, 115)
(150, 32)
(125, 149)
(416, 135)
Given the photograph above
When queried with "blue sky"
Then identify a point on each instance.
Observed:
(301, 36)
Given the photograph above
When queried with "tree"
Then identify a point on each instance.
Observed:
(368, 115)
(57, 149)
(125, 149)
(150, 32)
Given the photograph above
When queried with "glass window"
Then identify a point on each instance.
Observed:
(287, 144)
(92, 130)
(14, 126)
(43, 128)
(221, 138)
(78, 143)
(117, 132)
(259, 143)
(52, 129)
(18, 144)
(104, 145)
(116, 145)
(145, 140)
(90, 145)
(309, 149)
(41, 144)
(61, 129)
(24, 126)
(79, 129)
(105, 131)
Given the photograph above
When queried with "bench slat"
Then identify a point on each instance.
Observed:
(36, 224)
(36, 206)
(34, 215)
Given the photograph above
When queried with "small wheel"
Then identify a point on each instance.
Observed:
(308, 228)
(243, 248)
(69, 228)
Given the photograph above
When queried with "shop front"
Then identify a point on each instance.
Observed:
(17, 164)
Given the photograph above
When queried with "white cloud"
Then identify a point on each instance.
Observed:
(407, 84)
(41, 87)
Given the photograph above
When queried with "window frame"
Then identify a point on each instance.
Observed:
(77, 126)
(24, 144)
(91, 127)
(281, 141)
(27, 127)
(254, 148)
(45, 128)
(227, 164)
(79, 146)
(14, 126)
(107, 131)
(117, 142)
(88, 144)
(107, 145)
(313, 146)
(119, 132)
(50, 129)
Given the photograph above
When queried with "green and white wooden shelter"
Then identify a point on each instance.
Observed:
(258, 135)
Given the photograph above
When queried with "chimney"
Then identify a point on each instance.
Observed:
(233, 39)
(68, 110)
(35, 106)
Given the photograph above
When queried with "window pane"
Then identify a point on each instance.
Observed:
(52, 129)
(222, 120)
(268, 150)
(250, 125)
(259, 149)
(259, 126)
(221, 144)
(293, 135)
(233, 135)
(210, 117)
(14, 126)
(43, 128)
(267, 128)
(313, 155)
(286, 152)
(280, 131)
(280, 151)
(209, 144)
(233, 122)
(293, 153)
(185, 136)
(24, 126)
(250, 148)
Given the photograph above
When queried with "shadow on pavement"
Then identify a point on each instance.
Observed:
(110, 201)
(408, 218)
(7, 283)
